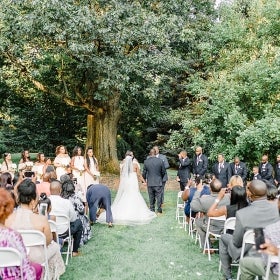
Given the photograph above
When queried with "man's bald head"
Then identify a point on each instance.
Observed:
(258, 189)
(55, 187)
(215, 186)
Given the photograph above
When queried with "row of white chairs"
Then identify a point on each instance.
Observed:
(229, 225)
(12, 257)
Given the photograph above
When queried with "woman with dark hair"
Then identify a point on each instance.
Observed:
(68, 192)
(26, 217)
(61, 161)
(91, 168)
(6, 180)
(77, 165)
(25, 163)
(8, 165)
(238, 200)
(11, 238)
(39, 166)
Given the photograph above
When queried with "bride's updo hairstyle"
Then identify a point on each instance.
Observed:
(26, 192)
(128, 153)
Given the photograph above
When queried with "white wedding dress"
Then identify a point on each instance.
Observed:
(129, 207)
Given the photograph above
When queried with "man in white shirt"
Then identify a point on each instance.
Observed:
(62, 206)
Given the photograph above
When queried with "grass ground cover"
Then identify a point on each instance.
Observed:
(160, 250)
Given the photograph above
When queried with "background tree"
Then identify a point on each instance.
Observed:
(236, 104)
(97, 55)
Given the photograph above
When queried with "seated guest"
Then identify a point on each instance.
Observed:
(25, 218)
(6, 180)
(11, 238)
(251, 267)
(99, 196)
(44, 186)
(235, 180)
(272, 191)
(68, 192)
(202, 204)
(238, 200)
(187, 195)
(259, 213)
(62, 206)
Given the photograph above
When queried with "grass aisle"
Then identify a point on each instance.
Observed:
(160, 250)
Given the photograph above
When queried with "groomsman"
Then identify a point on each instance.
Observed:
(239, 168)
(200, 163)
(277, 172)
(184, 171)
(266, 169)
(166, 165)
(221, 170)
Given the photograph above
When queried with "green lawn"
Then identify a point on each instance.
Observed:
(160, 250)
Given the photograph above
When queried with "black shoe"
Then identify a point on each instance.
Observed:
(159, 210)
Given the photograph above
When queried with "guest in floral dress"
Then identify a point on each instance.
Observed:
(68, 192)
(11, 238)
(26, 217)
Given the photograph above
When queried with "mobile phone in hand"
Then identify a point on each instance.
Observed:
(259, 237)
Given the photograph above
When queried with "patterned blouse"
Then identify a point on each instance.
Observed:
(11, 238)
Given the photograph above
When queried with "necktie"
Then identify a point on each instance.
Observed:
(220, 165)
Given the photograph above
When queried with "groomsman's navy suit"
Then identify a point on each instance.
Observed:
(222, 173)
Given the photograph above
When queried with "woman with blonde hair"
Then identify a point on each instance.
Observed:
(235, 180)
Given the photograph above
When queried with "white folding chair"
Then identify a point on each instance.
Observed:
(32, 238)
(11, 257)
(53, 229)
(271, 259)
(180, 210)
(229, 225)
(248, 238)
(63, 222)
(191, 225)
(212, 235)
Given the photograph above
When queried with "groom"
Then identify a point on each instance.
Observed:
(154, 172)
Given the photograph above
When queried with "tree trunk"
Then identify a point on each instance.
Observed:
(102, 136)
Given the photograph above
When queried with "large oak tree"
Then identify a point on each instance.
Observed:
(97, 55)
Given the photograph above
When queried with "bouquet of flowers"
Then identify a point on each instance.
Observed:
(13, 166)
(29, 165)
(96, 174)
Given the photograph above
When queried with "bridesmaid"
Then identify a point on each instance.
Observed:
(91, 168)
(62, 161)
(8, 165)
(77, 165)
(39, 166)
(25, 162)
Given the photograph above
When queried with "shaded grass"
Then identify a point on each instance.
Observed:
(160, 250)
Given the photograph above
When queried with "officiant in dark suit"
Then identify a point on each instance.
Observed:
(221, 170)
(239, 168)
(184, 171)
(200, 163)
(153, 173)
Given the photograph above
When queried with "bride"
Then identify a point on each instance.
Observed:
(129, 207)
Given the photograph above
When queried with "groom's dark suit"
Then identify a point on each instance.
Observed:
(154, 172)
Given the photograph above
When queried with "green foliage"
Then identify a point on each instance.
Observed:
(236, 104)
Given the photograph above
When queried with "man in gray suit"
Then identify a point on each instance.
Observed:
(259, 214)
(154, 172)
(166, 165)
(202, 204)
